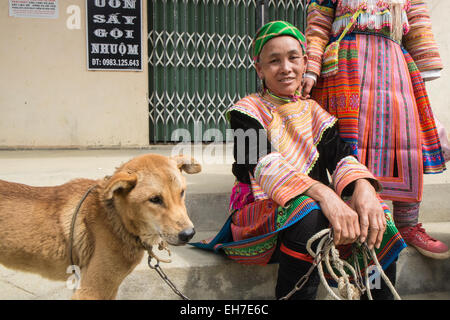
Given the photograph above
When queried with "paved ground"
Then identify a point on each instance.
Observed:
(50, 167)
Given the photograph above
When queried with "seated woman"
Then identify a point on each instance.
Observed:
(283, 148)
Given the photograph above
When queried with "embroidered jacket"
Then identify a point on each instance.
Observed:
(281, 150)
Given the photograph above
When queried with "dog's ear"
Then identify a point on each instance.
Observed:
(121, 180)
(189, 165)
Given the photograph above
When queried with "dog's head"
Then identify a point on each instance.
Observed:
(148, 192)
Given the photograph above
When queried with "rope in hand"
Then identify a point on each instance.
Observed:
(327, 253)
(330, 256)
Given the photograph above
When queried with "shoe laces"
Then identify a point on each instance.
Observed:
(417, 229)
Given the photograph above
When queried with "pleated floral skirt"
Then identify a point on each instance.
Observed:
(383, 111)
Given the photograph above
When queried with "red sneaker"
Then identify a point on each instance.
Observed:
(425, 244)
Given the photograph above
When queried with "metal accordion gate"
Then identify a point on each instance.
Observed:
(199, 62)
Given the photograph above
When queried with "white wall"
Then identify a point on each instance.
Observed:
(439, 89)
(49, 99)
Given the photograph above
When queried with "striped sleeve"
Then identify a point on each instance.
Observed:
(280, 180)
(419, 41)
(320, 18)
(349, 170)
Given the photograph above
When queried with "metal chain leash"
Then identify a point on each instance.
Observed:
(304, 279)
(166, 279)
(159, 270)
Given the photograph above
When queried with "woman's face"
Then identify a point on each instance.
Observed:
(281, 65)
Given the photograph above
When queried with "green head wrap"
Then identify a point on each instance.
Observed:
(275, 29)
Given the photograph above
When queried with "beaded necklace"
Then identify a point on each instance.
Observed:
(292, 98)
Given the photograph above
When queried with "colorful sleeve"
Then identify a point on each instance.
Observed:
(419, 41)
(320, 18)
(349, 170)
(280, 180)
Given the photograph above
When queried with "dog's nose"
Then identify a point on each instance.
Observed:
(186, 234)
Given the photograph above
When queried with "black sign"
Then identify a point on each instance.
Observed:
(114, 34)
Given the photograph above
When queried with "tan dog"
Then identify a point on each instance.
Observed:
(143, 202)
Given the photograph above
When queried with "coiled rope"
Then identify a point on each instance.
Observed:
(327, 253)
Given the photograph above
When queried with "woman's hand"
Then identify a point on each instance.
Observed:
(371, 214)
(307, 85)
(342, 218)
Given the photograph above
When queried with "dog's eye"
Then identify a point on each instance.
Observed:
(156, 200)
(182, 193)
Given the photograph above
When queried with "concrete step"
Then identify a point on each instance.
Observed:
(215, 277)
(208, 210)
(208, 192)
(442, 295)
(207, 276)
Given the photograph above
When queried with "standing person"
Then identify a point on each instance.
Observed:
(379, 97)
(283, 148)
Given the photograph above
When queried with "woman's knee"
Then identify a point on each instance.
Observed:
(296, 236)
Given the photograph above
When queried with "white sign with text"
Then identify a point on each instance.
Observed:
(33, 9)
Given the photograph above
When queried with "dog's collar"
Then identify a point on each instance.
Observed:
(161, 246)
(74, 218)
